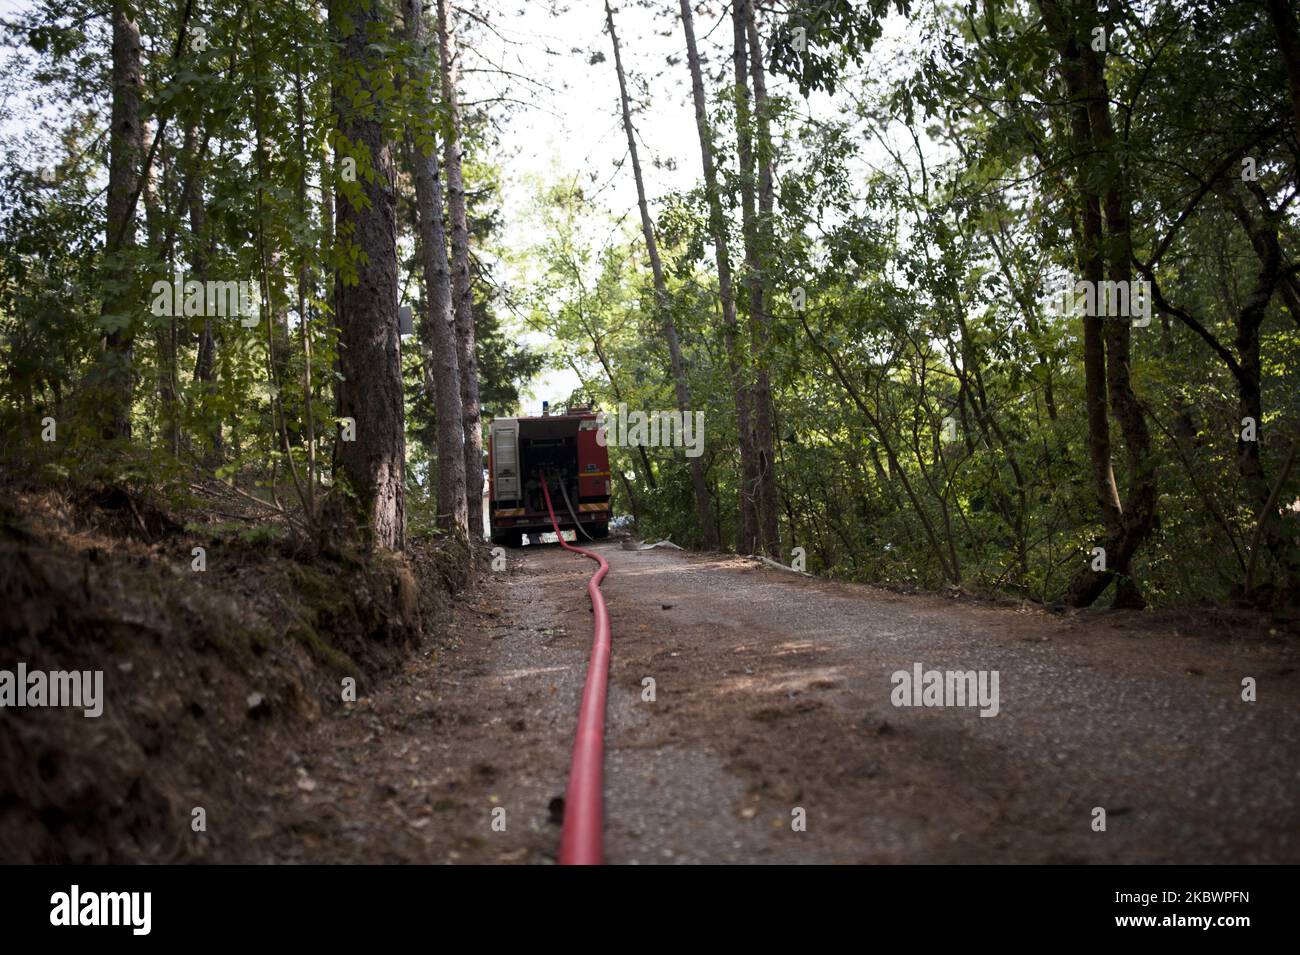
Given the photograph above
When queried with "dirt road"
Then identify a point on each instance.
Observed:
(772, 704)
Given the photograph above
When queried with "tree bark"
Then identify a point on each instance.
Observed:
(126, 156)
(205, 365)
(373, 464)
(304, 284)
(757, 256)
(460, 275)
(164, 330)
(1263, 235)
(1140, 506)
(1106, 251)
(328, 245)
(747, 531)
(1087, 585)
(663, 305)
(437, 320)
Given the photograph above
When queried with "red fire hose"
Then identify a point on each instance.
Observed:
(584, 802)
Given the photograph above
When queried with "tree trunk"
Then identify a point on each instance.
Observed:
(757, 257)
(1282, 13)
(1140, 507)
(1263, 235)
(747, 535)
(164, 330)
(437, 320)
(1105, 252)
(304, 285)
(662, 303)
(372, 464)
(126, 156)
(328, 287)
(205, 365)
(1087, 585)
(460, 275)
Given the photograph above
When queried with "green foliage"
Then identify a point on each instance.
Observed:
(246, 168)
(929, 403)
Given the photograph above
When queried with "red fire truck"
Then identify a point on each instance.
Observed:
(563, 447)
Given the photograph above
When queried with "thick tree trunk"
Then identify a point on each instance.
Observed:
(758, 250)
(126, 157)
(748, 232)
(437, 326)
(460, 275)
(372, 464)
(662, 303)
(1140, 507)
(748, 529)
(1105, 252)
(1087, 585)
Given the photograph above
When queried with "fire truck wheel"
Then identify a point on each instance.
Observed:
(599, 531)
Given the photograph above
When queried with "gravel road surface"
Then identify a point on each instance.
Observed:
(772, 737)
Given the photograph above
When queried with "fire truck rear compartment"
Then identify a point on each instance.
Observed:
(556, 455)
(523, 449)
